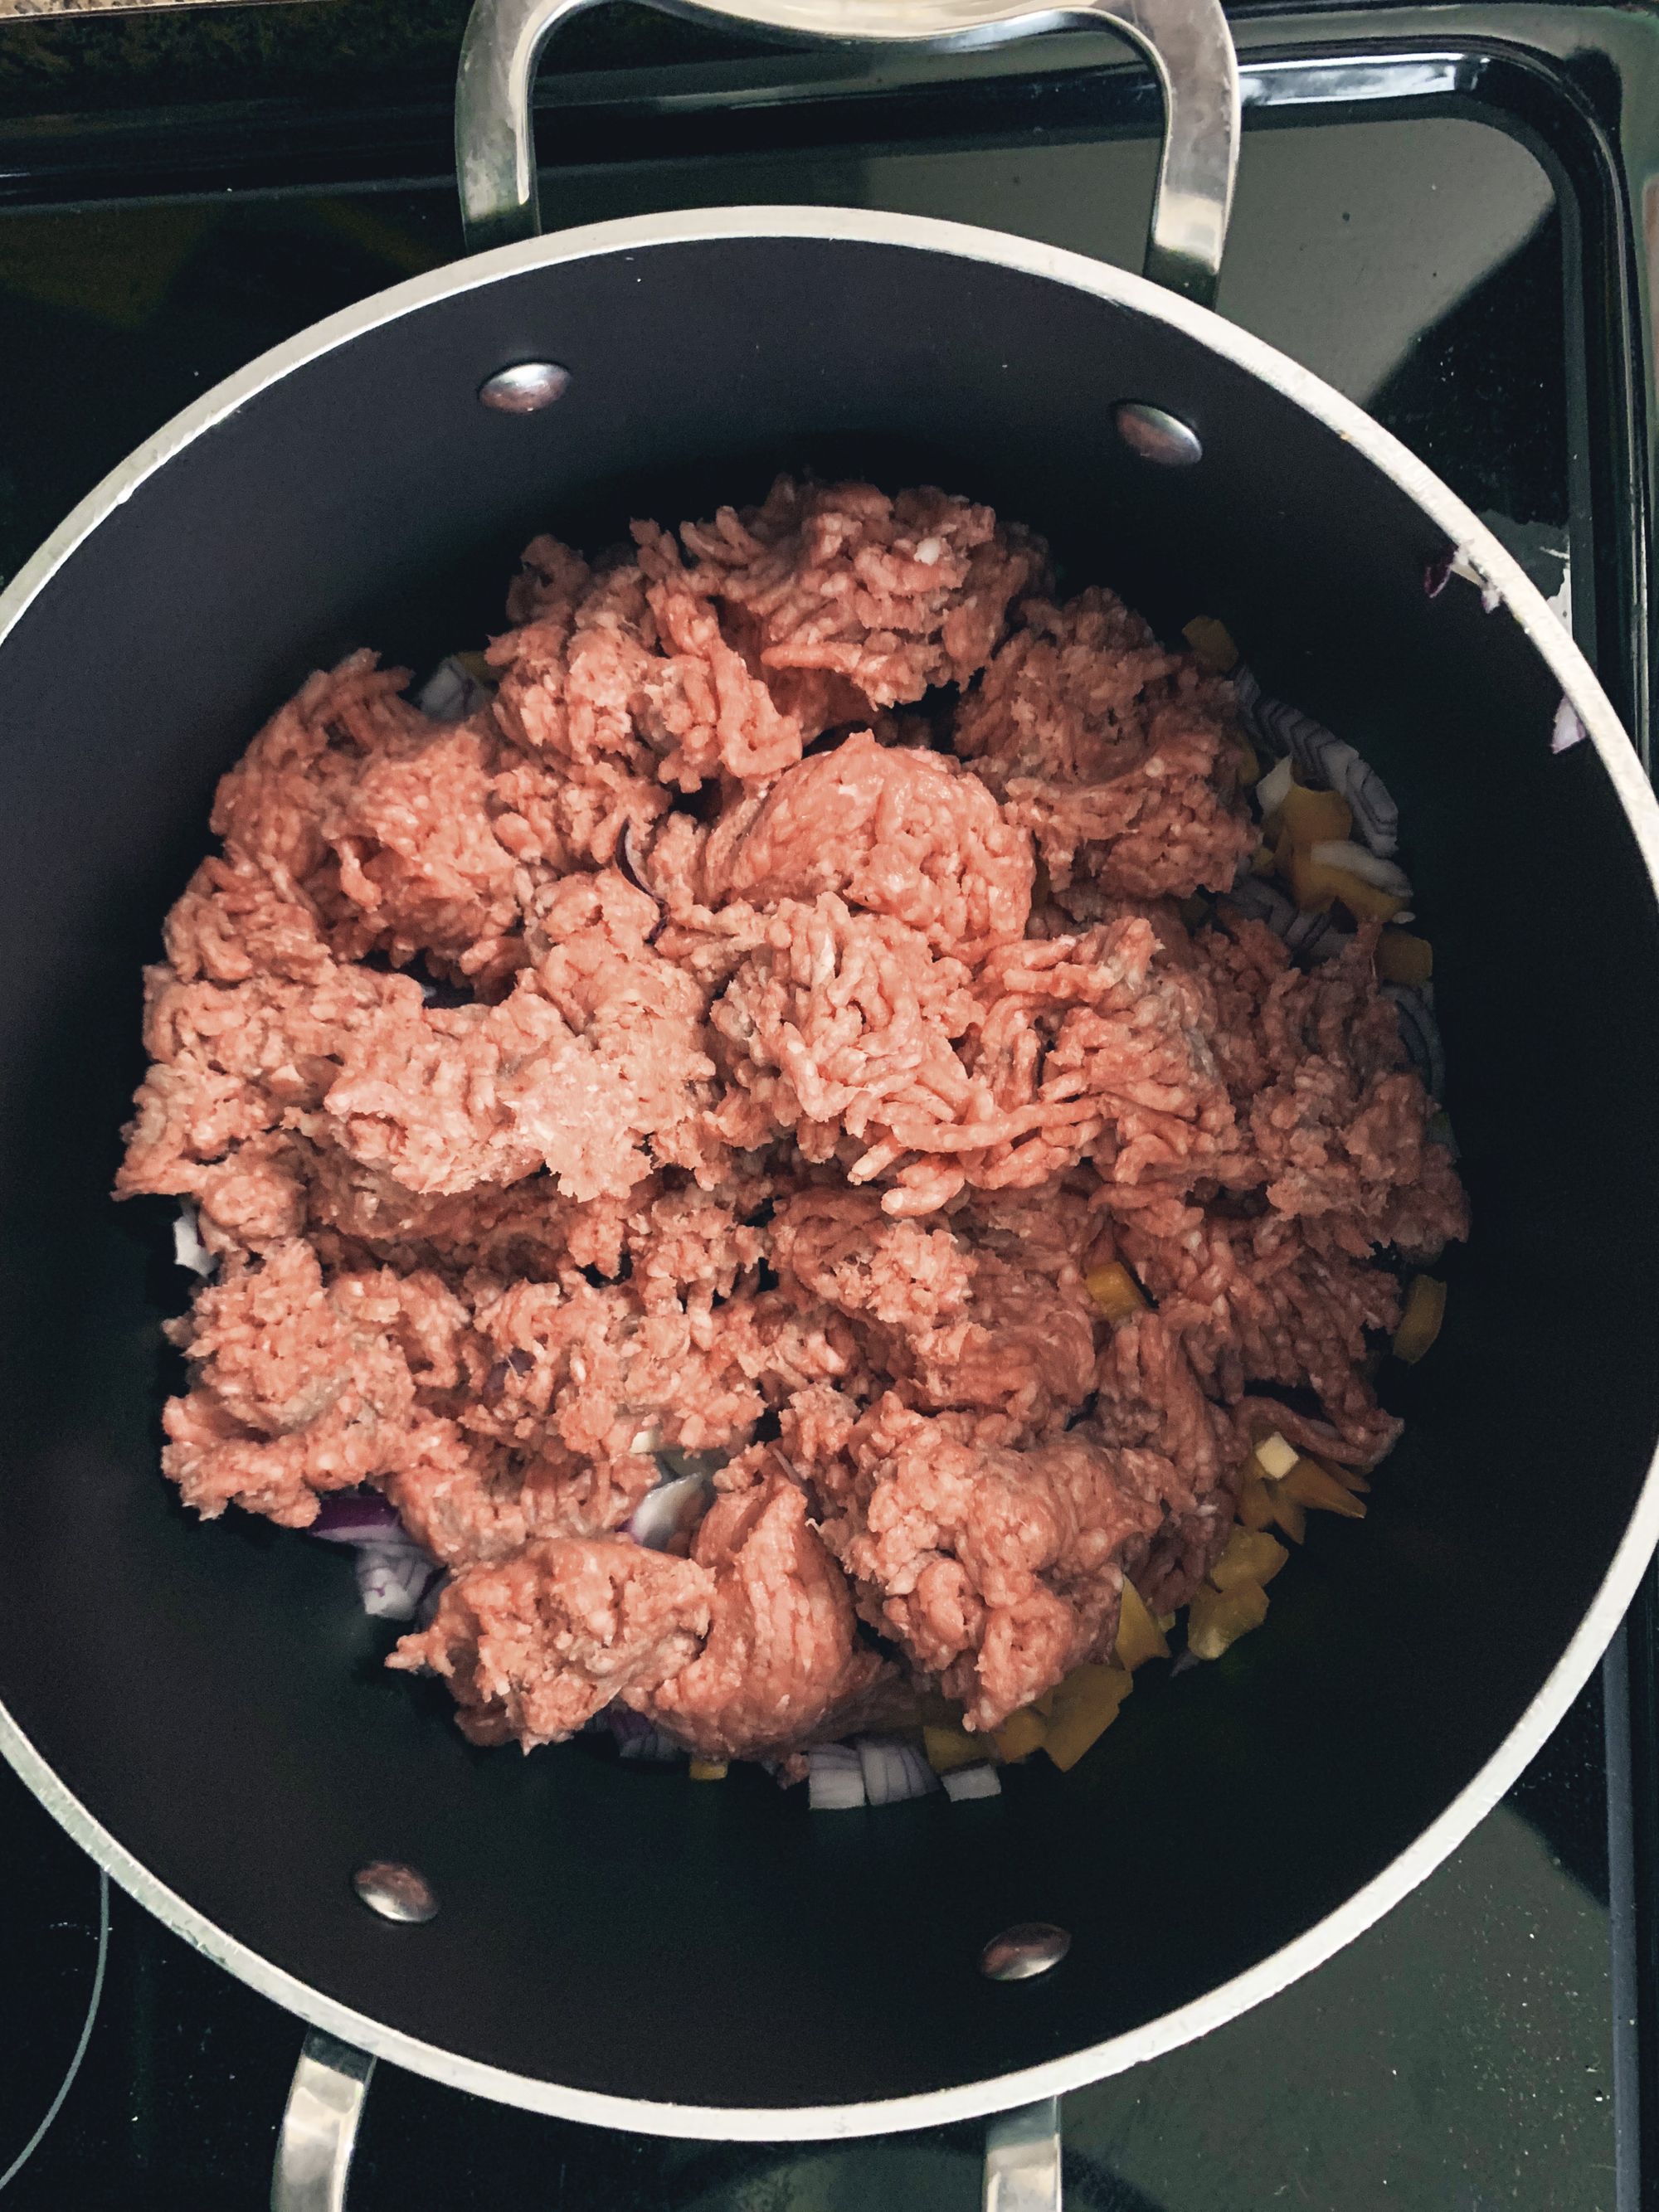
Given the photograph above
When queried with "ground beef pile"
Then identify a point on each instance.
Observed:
(730, 1045)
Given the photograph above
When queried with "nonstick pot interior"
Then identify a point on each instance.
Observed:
(212, 1695)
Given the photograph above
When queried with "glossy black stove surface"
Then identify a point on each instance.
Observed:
(1435, 223)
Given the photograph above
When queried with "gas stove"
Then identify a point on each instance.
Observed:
(1444, 214)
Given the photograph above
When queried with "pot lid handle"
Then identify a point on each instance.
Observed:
(1187, 41)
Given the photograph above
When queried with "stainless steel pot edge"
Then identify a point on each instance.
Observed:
(1524, 603)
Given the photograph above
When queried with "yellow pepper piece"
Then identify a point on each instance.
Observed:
(948, 1747)
(1419, 1325)
(1263, 860)
(1350, 1479)
(1255, 1506)
(1308, 817)
(1165, 1622)
(1115, 1291)
(1086, 1705)
(1251, 1556)
(479, 669)
(1316, 1487)
(1020, 1735)
(1275, 1456)
(707, 1770)
(1218, 1618)
(1139, 1636)
(1249, 766)
(1044, 1704)
(1316, 886)
(1290, 1516)
(1212, 647)
(1403, 958)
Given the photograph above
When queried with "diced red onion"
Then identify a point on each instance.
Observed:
(1567, 730)
(1419, 1032)
(355, 1516)
(835, 1777)
(188, 1248)
(965, 1782)
(631, 861)
(450, 693)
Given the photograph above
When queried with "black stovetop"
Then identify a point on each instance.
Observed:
(1433, 214)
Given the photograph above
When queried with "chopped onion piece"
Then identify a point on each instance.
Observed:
(893, 1770)
(188, 1248)
(357, 1516)
(1274, 788)
(964, 1782)
(1370, 867)
(1419, 1032)
(835, 1777)
(653, 1748)
(1567, 730)
(451, 692)
(392, 1578)
(672, 1508)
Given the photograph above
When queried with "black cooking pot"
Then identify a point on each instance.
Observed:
(202, 1707)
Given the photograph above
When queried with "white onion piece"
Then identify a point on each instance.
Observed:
(1316, 937)
(1567, 730)
(1312, 937)
(450, 693)
(893, 1770)
(1463, 564)
(1263, 901)
(1318, 753)
(835, 1777)
(1419, 1032)
(1370, 867)
(392, 1577)
(672, 1508)
(1274, 787)
(964, 1782)
(188, 1248)
(655, 1748)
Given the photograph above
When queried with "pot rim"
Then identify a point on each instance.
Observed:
(1515, 594)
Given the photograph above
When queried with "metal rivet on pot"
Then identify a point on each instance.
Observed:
(526, 387)
(1020, 1953)
(395, 1891)
(1156, 435)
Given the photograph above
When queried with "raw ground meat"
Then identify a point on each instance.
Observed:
(691, 1056)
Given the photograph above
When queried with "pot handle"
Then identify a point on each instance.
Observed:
(320, 2126)
(1187, 41)
(326, 2102)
